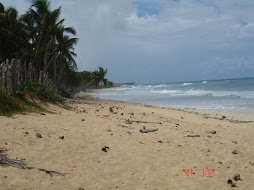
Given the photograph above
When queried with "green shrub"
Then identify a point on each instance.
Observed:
(43, 91)
(9, 105)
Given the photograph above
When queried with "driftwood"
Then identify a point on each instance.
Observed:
(51, 172)
(192, 136)
(137, 121)
(148, 130)
(123, 126)
(21, 164)
(16, 163)
(238, 121)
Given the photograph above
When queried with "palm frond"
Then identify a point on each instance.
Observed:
(70, 30)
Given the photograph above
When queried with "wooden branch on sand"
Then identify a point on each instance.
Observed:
(123, 126)
(148, 130)
(21, 164)
(51, 172)
(137, 121)
(192, 136)
(16, 163)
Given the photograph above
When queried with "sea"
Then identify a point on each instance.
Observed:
(228, 95)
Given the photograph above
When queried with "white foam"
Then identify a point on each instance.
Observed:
(242, 94)
(160, 86)
(166, 91)
(191, 92)
(187, 83)
(204, 82)
(122, 89)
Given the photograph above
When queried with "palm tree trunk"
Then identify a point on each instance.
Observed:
(55, 78)
(45, 58)
(61, 71)
(60, 76)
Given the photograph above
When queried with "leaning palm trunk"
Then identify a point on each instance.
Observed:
(81, 88)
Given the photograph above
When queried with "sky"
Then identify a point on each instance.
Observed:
(157, 41)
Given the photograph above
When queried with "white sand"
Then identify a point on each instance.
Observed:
(134, 160)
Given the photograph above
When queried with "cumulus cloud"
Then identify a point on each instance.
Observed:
(161, 41)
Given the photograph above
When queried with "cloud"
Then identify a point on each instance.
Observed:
(161, 41)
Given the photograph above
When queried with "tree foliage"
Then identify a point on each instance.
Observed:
(39, 36)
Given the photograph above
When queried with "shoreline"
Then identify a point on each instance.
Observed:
(133, 160)
(204, 100)
(94, 92)
(215, 114)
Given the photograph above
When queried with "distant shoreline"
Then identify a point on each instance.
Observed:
(236, 96)
(214, 114)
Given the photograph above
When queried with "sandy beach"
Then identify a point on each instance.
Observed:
(105, 150)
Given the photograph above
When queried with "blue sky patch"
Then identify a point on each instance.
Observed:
(146, 8)
(243, 23)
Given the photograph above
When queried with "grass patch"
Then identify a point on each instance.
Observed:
(18, 104)
(27, 101)
(43, 92)
(9, 105)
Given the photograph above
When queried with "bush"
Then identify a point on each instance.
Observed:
(43, 91)
(8, 104)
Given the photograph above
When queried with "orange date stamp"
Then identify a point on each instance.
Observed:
(204, 172)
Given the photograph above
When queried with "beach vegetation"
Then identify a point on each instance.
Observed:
(42, 91)
(43, 49)
(17, 104)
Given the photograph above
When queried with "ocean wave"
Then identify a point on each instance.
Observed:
(204, 82)
(192, 92)
(233, 94)
(139, 86)
(166, 91)
(183, 93)
(160, 86)
(187, 83)
(218, 108)
(122, 89)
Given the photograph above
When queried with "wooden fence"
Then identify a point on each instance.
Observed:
(14, 74)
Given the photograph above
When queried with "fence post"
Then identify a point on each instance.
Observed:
(30, 72)
(18, 75)
(1, 75)
(13, 76)
(4, 71)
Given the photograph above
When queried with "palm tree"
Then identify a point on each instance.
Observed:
(12, 36)
(65, 52)
(40, 37)
(48, 38)
(43, 21)
(99, 76)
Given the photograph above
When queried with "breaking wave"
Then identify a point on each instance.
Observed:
(187, 84)
(191, 92)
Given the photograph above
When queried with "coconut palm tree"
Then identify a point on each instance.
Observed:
(43, 21)
(40, 37)
(12, 36)
(48, 38)
(99, 76)
(65, 52)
